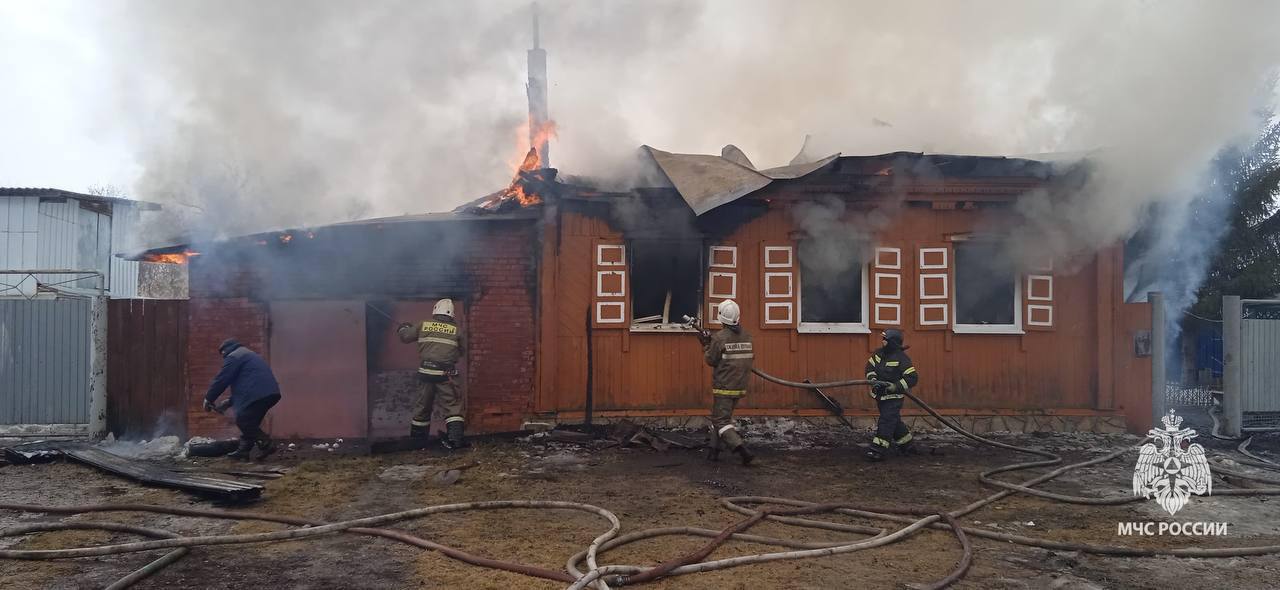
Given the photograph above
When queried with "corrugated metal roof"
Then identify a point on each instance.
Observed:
(56, 192)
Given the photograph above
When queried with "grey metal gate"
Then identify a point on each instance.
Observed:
(45, 361)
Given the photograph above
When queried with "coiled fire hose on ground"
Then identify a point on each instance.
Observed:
(914, 519)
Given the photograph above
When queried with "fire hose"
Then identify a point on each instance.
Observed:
(604, 576)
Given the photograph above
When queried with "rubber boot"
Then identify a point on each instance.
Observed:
(745, 454)
(416, 431)
(242, 452)
(454, 440)
(266, 447)
(874, 454)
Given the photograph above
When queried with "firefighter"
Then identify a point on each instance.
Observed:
(439, 348)
(254, 391)
(891, 366)
(730, 355)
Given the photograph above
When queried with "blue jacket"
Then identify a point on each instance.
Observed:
(248, 376)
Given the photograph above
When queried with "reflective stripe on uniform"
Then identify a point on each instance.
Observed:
(453, 419)
(417, 423)
(728, 392)
(891, 364)
(740, 355)
(906, 438)
(432, 372)
(725, 428)
(909, 371)
(880, 442)
(438, 340)
(440, 327)
(891, 396)
(904, 384)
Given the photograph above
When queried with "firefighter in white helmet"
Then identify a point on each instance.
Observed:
(730, 355)
(439, 348)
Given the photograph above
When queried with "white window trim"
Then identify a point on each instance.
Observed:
(791, 317)
(711, 281)
(946, 286)
(622, 274)
(600, 248)
(835, 327)
(1048, 308)
(1045, 278)
(622, 315)
(945, 259)
(897, 257)
(791, 260)
(1015, 328)
(897, 278)
(665, 328)
(896, 306)
(730, 249)
(791, 285)
(946, 314)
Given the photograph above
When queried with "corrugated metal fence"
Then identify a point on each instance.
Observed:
(44, 361)
(146, 367)
(1261, 375)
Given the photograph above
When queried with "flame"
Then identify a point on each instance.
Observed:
(173, 258)
(286, 238)
(530, 162)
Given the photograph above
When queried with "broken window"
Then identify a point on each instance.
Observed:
(831, 281)
(986, 285)
(665, 281)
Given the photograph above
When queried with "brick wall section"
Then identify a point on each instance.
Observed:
(489, 267)
(501, 332)
(210, 321)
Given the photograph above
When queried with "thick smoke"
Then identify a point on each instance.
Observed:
(285, 113)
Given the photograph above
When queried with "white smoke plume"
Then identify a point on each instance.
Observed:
(284, 113)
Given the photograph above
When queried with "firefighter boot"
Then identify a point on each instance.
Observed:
(416, 431)
(874, 454)
(745, 454)
(454, 438)
(242, 451)
(265, 448)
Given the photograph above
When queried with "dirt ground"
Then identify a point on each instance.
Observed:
(648, 489)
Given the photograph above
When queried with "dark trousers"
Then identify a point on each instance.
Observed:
(724, 435)
(249, 421)
(889, 427)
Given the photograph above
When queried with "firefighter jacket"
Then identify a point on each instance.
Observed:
(730, 355)
(248, 376)
(439, 344)
(893, 366)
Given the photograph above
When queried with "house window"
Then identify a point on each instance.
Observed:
(832, 286)
(665, 282)
(987, 294)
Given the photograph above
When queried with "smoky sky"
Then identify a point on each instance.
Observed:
(283, 113)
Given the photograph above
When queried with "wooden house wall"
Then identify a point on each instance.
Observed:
(1069, 369)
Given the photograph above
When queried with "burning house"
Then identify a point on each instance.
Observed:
(570, 298)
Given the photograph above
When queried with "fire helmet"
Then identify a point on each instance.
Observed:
(727, 313)
(443, 307)
(892, 338)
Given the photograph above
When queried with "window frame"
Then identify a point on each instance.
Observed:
(668, 327)
(863, 327)
(1015, 328)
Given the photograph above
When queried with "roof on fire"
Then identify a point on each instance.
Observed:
(707, 181)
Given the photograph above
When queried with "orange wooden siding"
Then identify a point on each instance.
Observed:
(1069, 366)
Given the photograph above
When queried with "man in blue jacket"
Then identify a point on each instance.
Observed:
(254, 391)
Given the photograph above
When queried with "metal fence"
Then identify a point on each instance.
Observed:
(44, 361)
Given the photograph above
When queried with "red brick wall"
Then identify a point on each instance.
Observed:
(500, 331)
(210, 321)
(493, 276)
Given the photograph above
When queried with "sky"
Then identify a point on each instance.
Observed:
(295, 112)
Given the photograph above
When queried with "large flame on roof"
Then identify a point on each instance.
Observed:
(171, 258)
(530, 162)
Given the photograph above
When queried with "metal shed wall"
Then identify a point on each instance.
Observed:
(45, 361)
(1261, 383)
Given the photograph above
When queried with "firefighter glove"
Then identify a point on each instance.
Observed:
(891, 388)
(404, 325)
(208, 406)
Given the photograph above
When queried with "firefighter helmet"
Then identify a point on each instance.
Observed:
(227, 346)
(443, 307)
(892, 338)
(727, 313)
